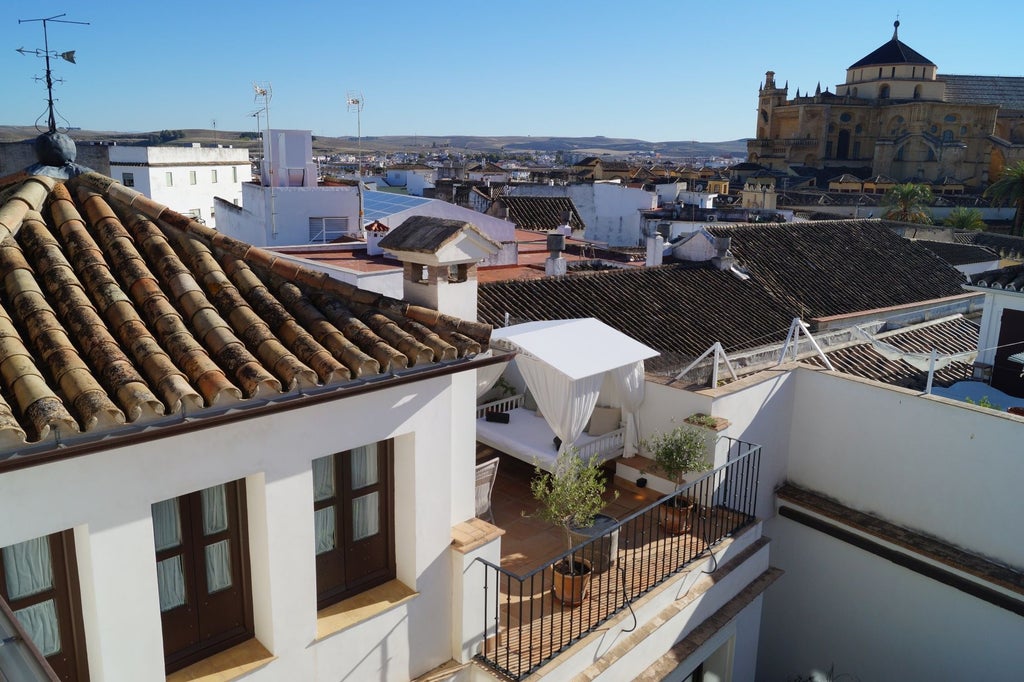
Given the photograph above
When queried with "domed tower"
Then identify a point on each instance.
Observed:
(893, 71)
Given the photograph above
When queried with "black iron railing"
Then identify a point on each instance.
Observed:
(525, 626)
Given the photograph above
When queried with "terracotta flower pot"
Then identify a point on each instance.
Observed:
(676, 516)
(571, 588)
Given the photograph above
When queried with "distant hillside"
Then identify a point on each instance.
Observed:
(596, 146)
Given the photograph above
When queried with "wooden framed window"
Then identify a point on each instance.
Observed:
(39, 581)
(202, 562)
(354, 517)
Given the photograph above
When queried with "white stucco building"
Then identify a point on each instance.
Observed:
(291, 209)
(610, 210)
(188, 179)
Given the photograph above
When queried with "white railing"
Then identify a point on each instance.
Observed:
(613, 441)
(500, 405)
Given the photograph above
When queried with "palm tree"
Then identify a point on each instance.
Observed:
(908, 203)
(1009, 189)
(964, 218)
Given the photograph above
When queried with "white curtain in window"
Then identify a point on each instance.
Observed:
(365, 516)
(324, 520)
(364, 466)
(166, 524)
(565, 404)
(323, 478)
(218, 566)
(170, 580)
(28, 568)
(215, 510)
(630, 382)
(40, 623)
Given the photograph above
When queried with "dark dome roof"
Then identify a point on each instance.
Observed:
(893, 52)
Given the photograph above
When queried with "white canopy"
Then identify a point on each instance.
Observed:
(576, 348)
(564, 363)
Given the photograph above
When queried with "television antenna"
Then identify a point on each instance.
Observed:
(354, 100)
(266, 91)
(46, 53)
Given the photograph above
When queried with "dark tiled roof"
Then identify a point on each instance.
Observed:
(948, 337)
(1005, 91)
(541, 213)
(425, 234)
(1003, 244)
(806, 270)
(959, 254)
(836, 267)
(115, 309)
(679, 310)
(892, 52)
(1011, 278)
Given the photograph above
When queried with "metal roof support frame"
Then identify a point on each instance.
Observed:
(793, 341)
(720, 356)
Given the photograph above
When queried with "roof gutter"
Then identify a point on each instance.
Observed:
(46, 453)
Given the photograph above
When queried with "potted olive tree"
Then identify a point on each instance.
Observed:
(676, 452)
(570, 496)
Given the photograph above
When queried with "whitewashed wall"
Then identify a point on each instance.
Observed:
(942, 467)
(105, 497)
(839, 606)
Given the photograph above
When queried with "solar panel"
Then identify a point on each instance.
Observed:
(380, 205)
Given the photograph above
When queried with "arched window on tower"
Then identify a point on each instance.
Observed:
(917, 92)
(883, 91)
(947, 135)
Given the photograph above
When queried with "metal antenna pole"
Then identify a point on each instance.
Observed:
(66, 56)
(354, 101)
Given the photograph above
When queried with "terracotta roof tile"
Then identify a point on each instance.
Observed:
(115, 309)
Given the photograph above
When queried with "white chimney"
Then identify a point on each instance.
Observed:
(655, 250)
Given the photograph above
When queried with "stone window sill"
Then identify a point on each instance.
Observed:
(355, 610)
(231, 664)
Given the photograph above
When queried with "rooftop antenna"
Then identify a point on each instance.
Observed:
(354, 101)
(68, 56)
(266, 91)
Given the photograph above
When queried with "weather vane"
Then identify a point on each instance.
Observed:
(47, 53)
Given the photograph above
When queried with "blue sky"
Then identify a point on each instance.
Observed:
(658, 70)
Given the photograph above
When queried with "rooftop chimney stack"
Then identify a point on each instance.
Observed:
(555, 265)
(723, 260)
(655, 250)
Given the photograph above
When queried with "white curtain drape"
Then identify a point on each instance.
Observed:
(565, 404)
(215, 510)
(323, 488)
(629, 380)
(40, 623)
(218, 555)
(166, 525)
(364, 466)
(170, 581)
(218, 566)
(487, 376)
(29, 570)
(365, 516)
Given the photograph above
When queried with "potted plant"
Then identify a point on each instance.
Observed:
(682, 449)
(570, 496)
